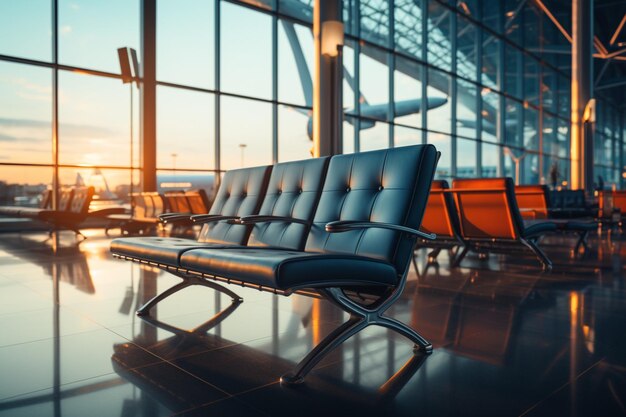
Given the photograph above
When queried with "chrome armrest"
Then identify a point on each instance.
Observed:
(173, 217)
(259, 218)
(344, 226)
(210, 218)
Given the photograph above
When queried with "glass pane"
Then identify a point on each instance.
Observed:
(185, 42)
(442, 143)
(513, 123)
(466, 158)
(186, 180)
(408, 27)
(513, 71)
(94, 120)
(439, 107)
(531, 80)
(439, 36)
(25, 29)
(489, 112)
(23, 186)
(91, 31)
(300, 9)
(349, 83)
(246, 51)
(491, 60)
(466, 48)
(245, 144)
(490, 155)
(185, 129)
(294, 137)
(531, 129)
(295, 53)
(466, 109)
(408, 92)
(348, 134)
(374, 83)
(374, 136)
(111, 185)
(375, 21)
(25, 114)
(404, 136)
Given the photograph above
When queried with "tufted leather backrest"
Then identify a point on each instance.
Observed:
(293, 191)
(387, 186)
(440, 216)
(197, 201)
(532, 200)
(488, 209)
(81, 198)
(240, 194)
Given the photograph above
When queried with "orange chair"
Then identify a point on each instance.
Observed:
(490, 220)
(441, 219)
(532, 201)
(619, 200)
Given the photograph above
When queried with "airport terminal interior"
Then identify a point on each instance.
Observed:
(312, 208)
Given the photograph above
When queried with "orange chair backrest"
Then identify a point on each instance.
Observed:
(197, 201)
(437, 217)
(177, 202)
(532, 201)
(487, 209)
(619, 200)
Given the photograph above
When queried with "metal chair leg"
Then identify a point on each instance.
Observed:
(330, 342)
(422, 345)
(360, 318)
(187, 281)
(582, 241)
(543, 258)
(460, 256)
(144, 310)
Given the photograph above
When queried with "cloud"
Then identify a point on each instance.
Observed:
(66, 29)
(65, 129)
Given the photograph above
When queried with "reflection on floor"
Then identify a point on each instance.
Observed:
(508, 340)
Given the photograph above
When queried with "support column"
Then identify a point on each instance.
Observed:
(148, 95)
(327, 98)
(581, 147)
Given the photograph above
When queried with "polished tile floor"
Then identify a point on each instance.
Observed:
(509, 341)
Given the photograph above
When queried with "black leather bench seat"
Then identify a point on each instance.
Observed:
(538, 228)
(286, 270)
(165, 251)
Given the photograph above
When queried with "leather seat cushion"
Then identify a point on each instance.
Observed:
(285, 269)
(532, 229)
(161, 250)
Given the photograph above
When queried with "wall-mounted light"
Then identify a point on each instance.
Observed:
(589, 115)
(332, 37)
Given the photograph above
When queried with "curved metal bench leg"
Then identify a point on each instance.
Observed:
(432, 255)
(360, 318)
(144, 310)
(188, 281)
(460, 256)
(582, 241)
(421, 344)
(543, 258)
(330, 342)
